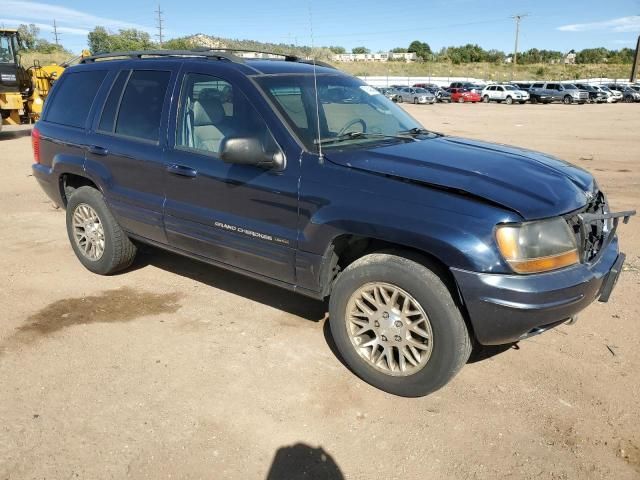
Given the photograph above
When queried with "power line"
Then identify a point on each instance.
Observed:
(517, 18)
(56, 35)
(159, 25)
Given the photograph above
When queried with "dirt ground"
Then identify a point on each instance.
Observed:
(175, 369)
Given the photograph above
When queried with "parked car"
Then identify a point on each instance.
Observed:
(462, 95)
(467, 85)
(413, 95)
(613, 95)
(629, 95)
(557, 92)
(441, 94)
(425, 85)
(504, 93)
(595, 95)
(423, 243)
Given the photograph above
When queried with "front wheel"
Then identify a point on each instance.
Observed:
(399, 99)
(534, 100)
(396, 324)
(96, 237)
(415, 101)
(567, 100)
(461, 100)
(508, 100)
(485, 99)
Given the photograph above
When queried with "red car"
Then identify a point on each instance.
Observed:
(462, 95)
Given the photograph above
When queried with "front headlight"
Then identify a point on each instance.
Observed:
(534, 247)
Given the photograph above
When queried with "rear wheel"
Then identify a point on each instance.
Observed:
(461, 100)
(397, 326)
(96, 238)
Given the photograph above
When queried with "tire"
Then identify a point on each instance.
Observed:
(415, 101)
(399, 99)
(534, 100)
(450, 342)
(567, 100)
(508, 100)
(485, 99)
(460, 99)
(118, 251)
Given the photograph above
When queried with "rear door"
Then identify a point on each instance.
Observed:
(64, 125)
(239, 215)
(127, 145)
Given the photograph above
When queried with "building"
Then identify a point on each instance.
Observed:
(570, 58)
(376, 57)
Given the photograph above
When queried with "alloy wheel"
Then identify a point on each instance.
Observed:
(389, 329)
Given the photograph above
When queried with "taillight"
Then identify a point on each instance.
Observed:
(35, 143)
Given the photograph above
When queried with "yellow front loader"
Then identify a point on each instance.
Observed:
(23, 90)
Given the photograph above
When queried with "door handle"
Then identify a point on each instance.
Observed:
(96, 150)
(182, 170)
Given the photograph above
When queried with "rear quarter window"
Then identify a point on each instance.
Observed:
(74, 96)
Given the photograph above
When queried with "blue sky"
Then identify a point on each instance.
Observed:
(379, 25)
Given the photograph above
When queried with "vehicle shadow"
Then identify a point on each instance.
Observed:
(15, 132)
(300, 461)
(237, 284)
(484, 352)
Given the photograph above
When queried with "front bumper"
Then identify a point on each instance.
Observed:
(506, 308)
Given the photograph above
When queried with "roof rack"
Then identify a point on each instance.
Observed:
(214, 53)
(287, 57)
(163, 53)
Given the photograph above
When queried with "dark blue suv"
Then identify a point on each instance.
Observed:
(305, 177)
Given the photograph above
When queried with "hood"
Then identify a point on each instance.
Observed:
(530, 183)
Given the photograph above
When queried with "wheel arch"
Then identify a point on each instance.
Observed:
(347, 248)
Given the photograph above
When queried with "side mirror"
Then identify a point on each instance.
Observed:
(250, 151)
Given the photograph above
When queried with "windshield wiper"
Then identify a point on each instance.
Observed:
(355, 135)
(419, 131)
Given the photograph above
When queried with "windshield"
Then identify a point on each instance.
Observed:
(6, 50)
(346, 105)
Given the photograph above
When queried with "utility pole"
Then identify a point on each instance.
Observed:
(56, 35)
(517, 18)
(159, 25)
(636, 63)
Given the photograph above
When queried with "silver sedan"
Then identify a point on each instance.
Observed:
(413, 95)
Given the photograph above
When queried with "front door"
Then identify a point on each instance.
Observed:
(243, 216)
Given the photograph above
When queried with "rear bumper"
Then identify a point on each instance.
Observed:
(506, 308)
(48, 182)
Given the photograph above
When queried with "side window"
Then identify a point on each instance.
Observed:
(74, 97)
(211, 109)
(110, 109)
(141, 105)
(500, 89)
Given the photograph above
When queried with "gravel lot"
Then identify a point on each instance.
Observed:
(176, 369)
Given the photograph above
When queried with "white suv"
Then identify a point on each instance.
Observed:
(504, 93)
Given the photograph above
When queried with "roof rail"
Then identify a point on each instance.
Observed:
(215, 53)
(287, 57)
(163, 53)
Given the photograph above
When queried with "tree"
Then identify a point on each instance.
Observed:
(101, 41)
(398, 50)
(360, 50)
(337, 49)
(182, 43)
(28, 35)
(421, 49)
(592, 55)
